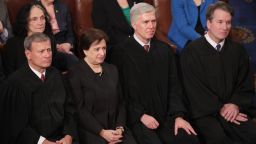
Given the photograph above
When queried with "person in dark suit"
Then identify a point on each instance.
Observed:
(218, 84)
(113, 17)
(96, 90)
(156, 111)
(35, 105)
(61, 25)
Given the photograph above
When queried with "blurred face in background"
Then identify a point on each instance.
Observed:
(36, 20)
(96, 54)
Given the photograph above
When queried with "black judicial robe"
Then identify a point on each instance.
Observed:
(149, 80)
(213, 78)
(31, 108)
(99, 101)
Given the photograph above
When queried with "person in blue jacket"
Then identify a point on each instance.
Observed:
(189, 21)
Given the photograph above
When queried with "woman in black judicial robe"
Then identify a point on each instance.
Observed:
(96, 90)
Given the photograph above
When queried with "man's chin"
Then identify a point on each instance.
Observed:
(47, 65)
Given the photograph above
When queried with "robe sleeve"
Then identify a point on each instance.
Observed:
(244, 91)
(129, 86)
(15, 107)
(121, 118)
(69, 112)
(85, 118)
(176, 97)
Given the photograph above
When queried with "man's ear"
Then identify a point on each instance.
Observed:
(133, 25)
(28, 54)
(85, 52)
(208, 24)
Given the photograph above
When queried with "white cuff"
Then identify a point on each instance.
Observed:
(41, 140)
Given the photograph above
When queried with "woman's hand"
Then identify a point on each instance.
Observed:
(111, 136)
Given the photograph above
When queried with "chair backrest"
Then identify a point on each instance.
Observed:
(83, 19)
(81, 14)
(13, 7)
(164, 15)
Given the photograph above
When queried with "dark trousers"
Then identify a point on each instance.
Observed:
(163, 135)
(216, 130)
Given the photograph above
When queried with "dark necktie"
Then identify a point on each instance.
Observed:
(42, 77)
(146, 47)
(218, 46)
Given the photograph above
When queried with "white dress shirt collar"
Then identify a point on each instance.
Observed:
(37, 72)
(140, 42)
(213, 43)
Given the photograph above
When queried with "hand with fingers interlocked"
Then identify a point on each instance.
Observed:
(111, 136)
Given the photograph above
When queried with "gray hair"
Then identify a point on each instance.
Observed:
(35, 37)
(218, 5)
(140, 8)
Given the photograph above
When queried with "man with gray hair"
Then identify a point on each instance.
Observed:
(35, 106)
(156, 111)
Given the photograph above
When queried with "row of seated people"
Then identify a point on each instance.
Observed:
(108, 16)
(41, 106)
(57, 23)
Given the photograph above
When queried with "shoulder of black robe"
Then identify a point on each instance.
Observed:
(16, 95)
(15, 109)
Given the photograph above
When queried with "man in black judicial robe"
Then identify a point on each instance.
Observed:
(218, 83)
(36, 108)
(150, 84)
